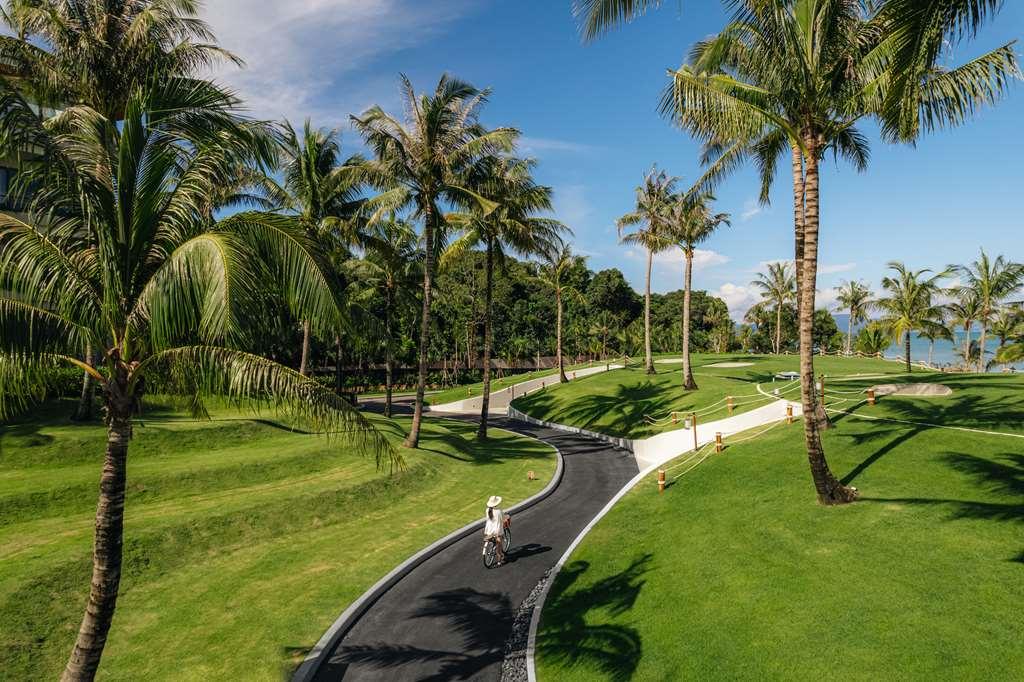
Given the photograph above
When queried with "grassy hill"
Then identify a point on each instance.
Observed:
(244, 539)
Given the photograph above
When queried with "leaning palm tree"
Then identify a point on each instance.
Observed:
(964, 310)
(512, 225)
(691, 222)
(553, 270)
(602, 327)
(910, 305)
(1008, 324)
(990, 282)
(118, 253)
(420, 162)
(323, 191)
(856, 298)
(938, 331)
(653, 197)
(778, 288)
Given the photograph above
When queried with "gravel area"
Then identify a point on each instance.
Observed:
(513, 668)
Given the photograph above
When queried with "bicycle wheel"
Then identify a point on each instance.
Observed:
(508, 540)
(490, 554)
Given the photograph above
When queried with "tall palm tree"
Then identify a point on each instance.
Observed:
(990, 282)
(603, 326)
(1008, 323)
(691, 222)
(163, 295)
(389, 272)
(419, 164)
(513, 225)
(936, 332)
(556, 264)
(856, 298)
(910, 305)
(778, 287)
(795, 76)
(95, 52)
(653, 197)
(964, 311)
(323, 191)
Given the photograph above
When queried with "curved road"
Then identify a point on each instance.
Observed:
(451, 617)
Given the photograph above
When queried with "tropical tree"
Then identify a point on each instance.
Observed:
(389, 273)
(118, 253)
(873, 339)
(419, 164)
(557, 262)
(990, 282)
(323, 191)
(910, 305)
(690, 222)
(778, 288)
(1008, 324)
(511, 225)
(937, 331)
(856, 298)
(653, 197)
(964, 311)
(603, 326)
(796, 76)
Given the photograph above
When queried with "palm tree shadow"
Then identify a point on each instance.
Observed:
(570, 635)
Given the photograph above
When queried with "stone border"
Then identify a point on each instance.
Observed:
(624, 443)
(320, 651)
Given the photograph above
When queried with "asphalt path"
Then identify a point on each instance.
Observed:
(450, 617)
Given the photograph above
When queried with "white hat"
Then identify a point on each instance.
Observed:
(493, 502)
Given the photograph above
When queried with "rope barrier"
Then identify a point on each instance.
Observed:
(928, 424)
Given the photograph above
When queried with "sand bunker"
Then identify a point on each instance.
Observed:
(730, 364)
(668, 361)
(912, 389)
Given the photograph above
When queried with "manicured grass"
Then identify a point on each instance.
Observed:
(464, 391)
(244, 540)
(736, 573)
(616, 402)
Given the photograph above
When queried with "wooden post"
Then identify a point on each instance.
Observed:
(871, 396)
(530, 476)
(718, 442)
(574, 376)
(789, 413)
(469, 391)
(661, 481)
(822, 388)
(542, 385)
(693, 422)
(674, 420)
(729, 404)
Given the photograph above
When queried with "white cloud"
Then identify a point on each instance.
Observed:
(301, 54)
(702, 258)
(538, 146)
(751, 209)
(835, 268)
(738, 298)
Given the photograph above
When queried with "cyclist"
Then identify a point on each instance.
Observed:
(494, 526)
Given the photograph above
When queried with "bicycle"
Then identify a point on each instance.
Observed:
(491, 546)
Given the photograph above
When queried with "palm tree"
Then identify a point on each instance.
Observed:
(873, 339)
(964, 311)
(778, 287)
(511, 225)
(690, 222)
(936, 332)
(557, 263)
(161, 293)
(94, 52)
(603, 326)
(911, 304)
(1008, 324)
(418, 165)
(322, 191)
(389, 271)
(856, 297)
(653, 197)
(990, 282)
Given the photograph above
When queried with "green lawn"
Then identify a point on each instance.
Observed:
(736, 573)
(464, 391)
(615, 402)
(244, 540)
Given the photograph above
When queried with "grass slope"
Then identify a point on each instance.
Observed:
(735, 572)
(244, 540)
(463, 391)
(615, 402)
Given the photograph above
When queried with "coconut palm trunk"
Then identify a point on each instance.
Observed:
(648, 360)
(931, 352)
(389, 359)
(485, 398)
(688, 382)
(84, 410)
(304, 362)
(107, 543)
(413, 439)
(906, 350)
(981, 345)
(778, 329)
(849, 333)
(967, 346)
(829, 489)
(558, 336)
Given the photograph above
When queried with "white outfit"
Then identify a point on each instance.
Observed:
(495, 525)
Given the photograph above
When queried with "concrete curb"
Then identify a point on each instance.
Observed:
(318, 654)
(624, 443)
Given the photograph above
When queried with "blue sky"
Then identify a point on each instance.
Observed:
(588, 114)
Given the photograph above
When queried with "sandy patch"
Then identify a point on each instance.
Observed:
(668, 361)
(912, 389)
(730, 364)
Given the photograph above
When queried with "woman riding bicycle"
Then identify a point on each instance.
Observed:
(494, 526)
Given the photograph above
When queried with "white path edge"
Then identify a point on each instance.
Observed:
(654, 452)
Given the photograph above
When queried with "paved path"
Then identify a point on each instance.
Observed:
(450, 617)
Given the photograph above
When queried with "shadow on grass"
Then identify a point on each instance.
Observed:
(573, 633)
(626, 407)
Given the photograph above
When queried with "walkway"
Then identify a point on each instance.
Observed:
(451, 617)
